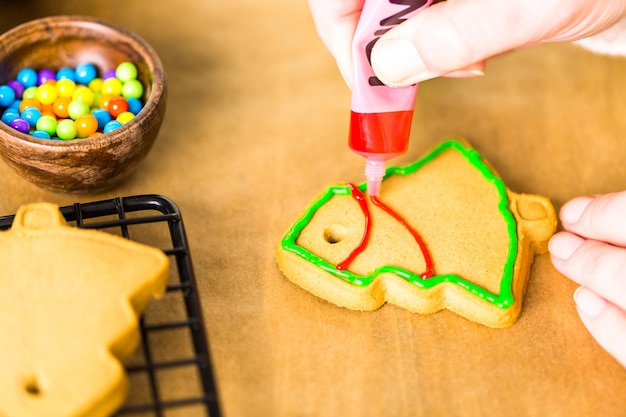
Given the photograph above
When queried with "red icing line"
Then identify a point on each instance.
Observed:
(360, 198)
(430, 271)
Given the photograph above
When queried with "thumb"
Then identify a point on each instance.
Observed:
(605, 321)
(455, 35)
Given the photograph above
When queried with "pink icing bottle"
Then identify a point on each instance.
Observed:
(380, 120)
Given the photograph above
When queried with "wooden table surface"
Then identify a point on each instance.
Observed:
(256, 126)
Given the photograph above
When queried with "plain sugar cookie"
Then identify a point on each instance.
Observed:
(69, 300)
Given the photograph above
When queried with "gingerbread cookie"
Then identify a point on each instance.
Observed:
(69, 299)
(445, 233)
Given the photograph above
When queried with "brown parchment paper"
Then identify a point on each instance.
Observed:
(256, 126)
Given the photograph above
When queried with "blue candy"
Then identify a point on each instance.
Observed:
(31, 115)
(27, 77)
(9, 115)
(103, 117)
(40, 134)
(7, 96)
(66, 72)
(134, 105)
(85, 73)
(112, 125)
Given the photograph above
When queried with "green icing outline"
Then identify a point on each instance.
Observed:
(504, 300)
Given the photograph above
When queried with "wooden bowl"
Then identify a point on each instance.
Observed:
(95, 163)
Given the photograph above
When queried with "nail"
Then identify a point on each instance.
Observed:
(563, 245)
(465, 73)
(397, 63)
(589, 302)
(573, 210)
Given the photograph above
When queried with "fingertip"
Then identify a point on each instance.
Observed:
(599, 218)
(605, 321)
(562, 245)
(572, 211)
(397, 63)
(589, 303)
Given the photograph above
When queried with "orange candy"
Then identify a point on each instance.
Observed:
(86, 125)
(60, 106)
(103, 101)
(46, 108)
(29, 102)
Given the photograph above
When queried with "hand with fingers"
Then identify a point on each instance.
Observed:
(456, 37)
(592, 252)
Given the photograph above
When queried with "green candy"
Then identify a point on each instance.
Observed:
(77, 108)
(66, 129)
(48, 124)
(126, 71)
(132, 89)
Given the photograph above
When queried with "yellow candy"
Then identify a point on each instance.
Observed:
(66, 87)
(112, 86)
(125, 117)
(95, 85)
(83, 93)
(46, 93)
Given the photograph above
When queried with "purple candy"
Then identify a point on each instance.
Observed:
(17, 87)
(20, 125)
(45, 75)
(109, 74)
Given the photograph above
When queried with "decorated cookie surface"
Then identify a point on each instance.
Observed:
(445, 232)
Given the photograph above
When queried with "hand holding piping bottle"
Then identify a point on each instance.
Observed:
(455, 38)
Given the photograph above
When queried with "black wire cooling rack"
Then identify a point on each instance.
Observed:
(170, 373)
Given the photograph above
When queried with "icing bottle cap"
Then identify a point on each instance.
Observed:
(375, 169)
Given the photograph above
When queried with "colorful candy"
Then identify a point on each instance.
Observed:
(9, 115)
(126, 71)
(40, 134)
(85, 73)
(7, 95)
(28, 77)
(86, 125)
(47, 124)
(45, 75)
(66, 73)
(77, 108)
(112, 125)
(31, 115)
(20, 125)
(66, 129)
(132, 89)
(102, 116)
(17, 87)
(117, 106)
(47, 93)
(65, 87)
(71, 103)
(125, 117)
(60, 107)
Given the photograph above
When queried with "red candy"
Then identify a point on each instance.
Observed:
(117, 106)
